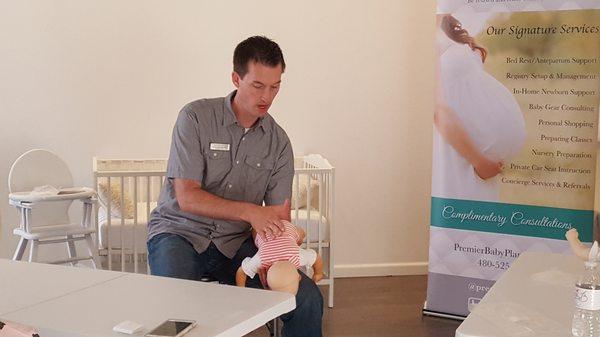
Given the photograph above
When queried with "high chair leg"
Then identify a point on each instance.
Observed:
(33, 251)
(20, 249)
(71, 249)
(93, 252)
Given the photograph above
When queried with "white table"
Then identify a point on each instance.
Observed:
(76, 302)
(23, 285)
(534, 297)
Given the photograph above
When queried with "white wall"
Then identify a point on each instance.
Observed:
(108, 78)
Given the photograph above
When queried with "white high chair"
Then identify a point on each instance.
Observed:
(44, 217)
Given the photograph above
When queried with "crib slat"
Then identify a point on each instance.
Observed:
(108, 224)
(320, 213)
(308, 203)
(95, 208)
(135, 224)
(148, 186)
(297, 195)
(122, 229)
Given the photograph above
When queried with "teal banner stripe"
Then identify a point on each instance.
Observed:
(525, 220)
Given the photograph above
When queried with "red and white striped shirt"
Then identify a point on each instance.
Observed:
(282, 248)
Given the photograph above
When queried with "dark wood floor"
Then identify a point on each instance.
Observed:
(380, 306)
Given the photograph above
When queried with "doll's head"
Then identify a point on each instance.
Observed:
(283, 276)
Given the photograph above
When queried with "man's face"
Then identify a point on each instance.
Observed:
(257, 90)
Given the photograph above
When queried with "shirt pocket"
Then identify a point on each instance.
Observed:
(258, 172)
(218, 164)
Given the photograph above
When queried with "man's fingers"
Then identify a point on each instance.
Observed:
(274, 229)
(268, 230)
(279, 225)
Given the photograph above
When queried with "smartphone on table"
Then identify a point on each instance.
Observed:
(172, 328)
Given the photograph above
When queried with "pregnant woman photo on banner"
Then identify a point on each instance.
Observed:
(478, 123)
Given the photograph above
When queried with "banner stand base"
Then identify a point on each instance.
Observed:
(427, 312)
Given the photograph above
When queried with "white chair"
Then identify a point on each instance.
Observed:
(44, 217)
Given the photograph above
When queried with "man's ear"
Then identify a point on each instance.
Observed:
(235, 78)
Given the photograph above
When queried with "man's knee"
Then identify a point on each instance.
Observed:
(171, 255)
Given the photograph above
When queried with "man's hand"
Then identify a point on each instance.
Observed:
(267, 220)
(193, 199)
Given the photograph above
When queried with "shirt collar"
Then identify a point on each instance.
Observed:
(229, 116)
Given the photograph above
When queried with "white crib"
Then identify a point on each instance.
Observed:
(129, 189)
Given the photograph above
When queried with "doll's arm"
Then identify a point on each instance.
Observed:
(249, 267)
(578, 248)
(301, 235)
(240, 277)
(309, 257)
(318, 269)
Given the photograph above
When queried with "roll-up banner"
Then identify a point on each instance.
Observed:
(515, 139)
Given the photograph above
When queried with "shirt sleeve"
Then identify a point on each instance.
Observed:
(307, 257)
(250, 266)
(186, 160)
(280, 184)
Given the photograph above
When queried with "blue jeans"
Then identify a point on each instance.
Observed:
(173, 256)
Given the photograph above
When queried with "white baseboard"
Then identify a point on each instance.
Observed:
(380, 269)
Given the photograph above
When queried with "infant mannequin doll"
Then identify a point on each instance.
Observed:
(281, 257)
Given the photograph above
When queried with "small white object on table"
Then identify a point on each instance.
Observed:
(98, 300)
(534, 297)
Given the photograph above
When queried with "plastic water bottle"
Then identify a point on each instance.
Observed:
(586, 319)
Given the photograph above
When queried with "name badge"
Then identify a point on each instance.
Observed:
(219, 147)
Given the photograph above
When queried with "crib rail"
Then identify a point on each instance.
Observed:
(138, 180)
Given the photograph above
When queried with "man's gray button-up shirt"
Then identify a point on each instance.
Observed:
(209, 146)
